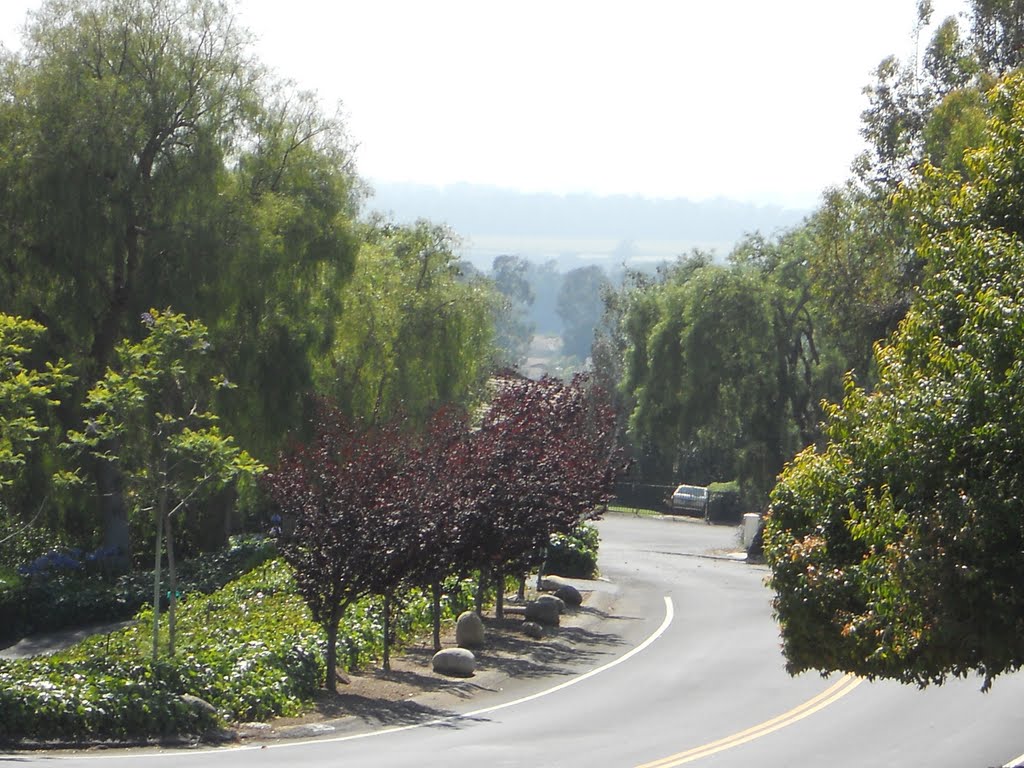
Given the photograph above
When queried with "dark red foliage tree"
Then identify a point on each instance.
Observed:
(342, 517)
(372, 510)
(544, 461)
(444, 495)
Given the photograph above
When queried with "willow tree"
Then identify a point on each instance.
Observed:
(147, 160)
(709, 375)
(415, 333)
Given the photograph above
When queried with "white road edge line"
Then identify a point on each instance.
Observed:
(666, 622)
(1015, 763)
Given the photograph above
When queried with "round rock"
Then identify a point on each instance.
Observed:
(469, 630)
(454, 662)
(552, 582)
(558, 602)
(543, 611)
(201, 706)
(533, 629)
(569, 595)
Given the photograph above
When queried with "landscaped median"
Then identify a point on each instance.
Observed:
(247, 652)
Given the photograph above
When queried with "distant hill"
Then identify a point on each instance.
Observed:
(579, 229)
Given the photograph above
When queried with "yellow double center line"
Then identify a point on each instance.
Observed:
(830, 695)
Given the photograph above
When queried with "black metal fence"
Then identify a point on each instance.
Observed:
(724, 507)
(643, 496)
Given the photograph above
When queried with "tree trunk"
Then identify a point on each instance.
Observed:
(481, 587)
(387, 634)
(540, 568)
(109, 479)
(521, 594)
(109, 485)
(499, 594)
(435, 593)
(156, 585)
(172, 578)
(332, 650)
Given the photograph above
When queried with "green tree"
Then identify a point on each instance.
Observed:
(895, 549)
(997, 30)
(415, 334)
(710, 390)
(612, 340)
(862, 271)
(147, 160)
(580, 307)
(153, 406)
(804, 368)
(27, 394)
(513, 330)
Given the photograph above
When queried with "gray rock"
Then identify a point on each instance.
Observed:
(543, 611)
(454, 662)
(201, 706)
(569, 595)
(469, 630)
(533, 629)
(552, 582)
(558, 602)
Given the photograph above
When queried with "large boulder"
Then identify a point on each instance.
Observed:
(569, 595)
(454, 662)
(552, 582)
(544, 611)
(469, 630)
(558, 602)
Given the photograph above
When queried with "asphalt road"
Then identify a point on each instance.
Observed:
(682, 667)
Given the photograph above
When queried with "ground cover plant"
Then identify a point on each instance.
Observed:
(249, 649)
(66, 587)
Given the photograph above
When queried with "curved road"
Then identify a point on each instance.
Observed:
(684, 669)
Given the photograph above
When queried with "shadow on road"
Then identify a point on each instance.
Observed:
(391, 713)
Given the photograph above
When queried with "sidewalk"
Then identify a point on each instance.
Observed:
(51, 642)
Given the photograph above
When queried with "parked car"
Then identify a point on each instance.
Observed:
(690, 498)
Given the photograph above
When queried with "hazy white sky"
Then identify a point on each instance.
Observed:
(755, 100)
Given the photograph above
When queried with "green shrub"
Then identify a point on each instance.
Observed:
(725, 503)
(574, 555)
(251, 650)
(361, 635)
(9, 579)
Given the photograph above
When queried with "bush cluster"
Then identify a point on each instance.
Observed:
(574, 555)
(725, 503)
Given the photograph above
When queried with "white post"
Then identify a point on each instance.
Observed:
(751, 522)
